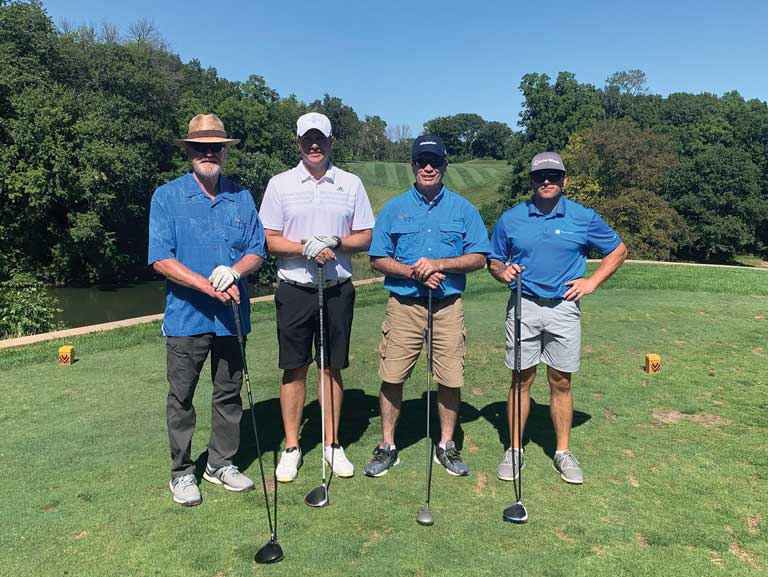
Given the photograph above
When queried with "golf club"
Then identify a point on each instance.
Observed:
(318, 497)
(271, 552)
(424, 516)
(517, 512)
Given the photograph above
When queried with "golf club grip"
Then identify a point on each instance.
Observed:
(238, 323)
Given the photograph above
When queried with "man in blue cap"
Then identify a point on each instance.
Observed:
(543, 243)
(425, 241)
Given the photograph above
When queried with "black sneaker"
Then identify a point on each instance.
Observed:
(450, 458)
(384, 458)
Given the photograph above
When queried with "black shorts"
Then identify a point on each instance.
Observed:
(298, 324)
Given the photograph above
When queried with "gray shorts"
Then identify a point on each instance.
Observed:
(550, 332)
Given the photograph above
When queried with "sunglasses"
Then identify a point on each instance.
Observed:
(552, 176)
(434, 162)
(204, 147)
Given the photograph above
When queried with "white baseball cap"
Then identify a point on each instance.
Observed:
(312, 120)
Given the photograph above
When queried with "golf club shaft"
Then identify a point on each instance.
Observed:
(519, 385)
(320, 287)
(429, 389)
(246, 378)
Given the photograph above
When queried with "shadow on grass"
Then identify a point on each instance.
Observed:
(538, 429)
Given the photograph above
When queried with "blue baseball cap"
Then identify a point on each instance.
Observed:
(428, 144)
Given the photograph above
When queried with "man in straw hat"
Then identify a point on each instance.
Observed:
(205, 238)
(316, 216)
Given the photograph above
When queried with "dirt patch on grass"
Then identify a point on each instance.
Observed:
(599, 551)
(641, 539)
(759, 351)
(470, 445)
(753, 522)
(632, 480)
(81, 534)
(673, 416)
(563, 536)
(742, 554)
(482, 481)
(610, 416)
(477, 391)
(715, 558)
(375, 537)
(598, 395)
(628, 453)
(760, 318)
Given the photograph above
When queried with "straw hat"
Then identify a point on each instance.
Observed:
(206, 128)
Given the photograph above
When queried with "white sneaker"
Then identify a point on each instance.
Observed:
(334, 456)
(288, 467)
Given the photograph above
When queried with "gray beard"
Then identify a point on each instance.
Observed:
(211, 175)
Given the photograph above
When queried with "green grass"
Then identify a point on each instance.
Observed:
(477, 180)
(675, 463)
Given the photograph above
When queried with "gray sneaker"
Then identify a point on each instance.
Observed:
(384, 458)
(229, 476)
(185, 491)
(450, 458)
(511, 465)
(568, 467)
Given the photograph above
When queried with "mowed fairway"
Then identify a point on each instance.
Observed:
(476, 180)
(676, 464)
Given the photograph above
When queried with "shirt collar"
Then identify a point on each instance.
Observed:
(330, 174)
(192, 189)
(421, 199)
(559, 209)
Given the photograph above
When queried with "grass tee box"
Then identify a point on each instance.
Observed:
(675, 463)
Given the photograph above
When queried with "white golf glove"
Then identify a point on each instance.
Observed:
(223, 277)
(317, 243)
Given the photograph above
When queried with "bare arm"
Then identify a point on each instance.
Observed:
(176, 272)
(391, 267)
(277, 245)
(248, 264)
(610, 263)
(357, 241)
(503, 273)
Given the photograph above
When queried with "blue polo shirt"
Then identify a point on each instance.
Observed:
(409, 227)
(552, 247)
(202, 233)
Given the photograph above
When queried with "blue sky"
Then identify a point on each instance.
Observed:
(408, 61)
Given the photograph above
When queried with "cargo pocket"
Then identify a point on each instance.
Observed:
(386, 327)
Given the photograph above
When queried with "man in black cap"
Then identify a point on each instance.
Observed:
(425, 241)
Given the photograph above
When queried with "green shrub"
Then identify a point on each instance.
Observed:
(25, 307)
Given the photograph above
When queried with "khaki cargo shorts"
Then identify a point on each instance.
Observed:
(404, 333)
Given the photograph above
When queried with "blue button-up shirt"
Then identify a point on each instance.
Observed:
(410, 227)
(202, 233)
(552, 247)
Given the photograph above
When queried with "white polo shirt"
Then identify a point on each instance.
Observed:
(301, 207)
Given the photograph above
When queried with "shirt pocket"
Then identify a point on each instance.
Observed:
(406, 238)
(235, 234)
(451, 239)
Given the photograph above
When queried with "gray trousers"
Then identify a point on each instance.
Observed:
(186, 356)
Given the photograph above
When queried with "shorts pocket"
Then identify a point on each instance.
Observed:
(386, 327)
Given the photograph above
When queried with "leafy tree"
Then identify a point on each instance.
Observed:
(718, 194)
(458, 132)
(25, 307)
(491, 140)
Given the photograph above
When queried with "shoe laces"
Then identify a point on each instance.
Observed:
(453, 455)
(508, 456)
(229, 470)
(568, 461)
(380, 454)
(186, 481)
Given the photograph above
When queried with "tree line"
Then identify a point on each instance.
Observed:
(88, 119)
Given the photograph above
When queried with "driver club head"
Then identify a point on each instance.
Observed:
(424, 517)
(269, 553)
(516, 513)
(317, 497)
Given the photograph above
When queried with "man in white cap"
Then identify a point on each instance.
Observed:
(205, 238)
(543, 242)
(316, 216)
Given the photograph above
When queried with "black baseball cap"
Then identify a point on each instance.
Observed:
(428, 144)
